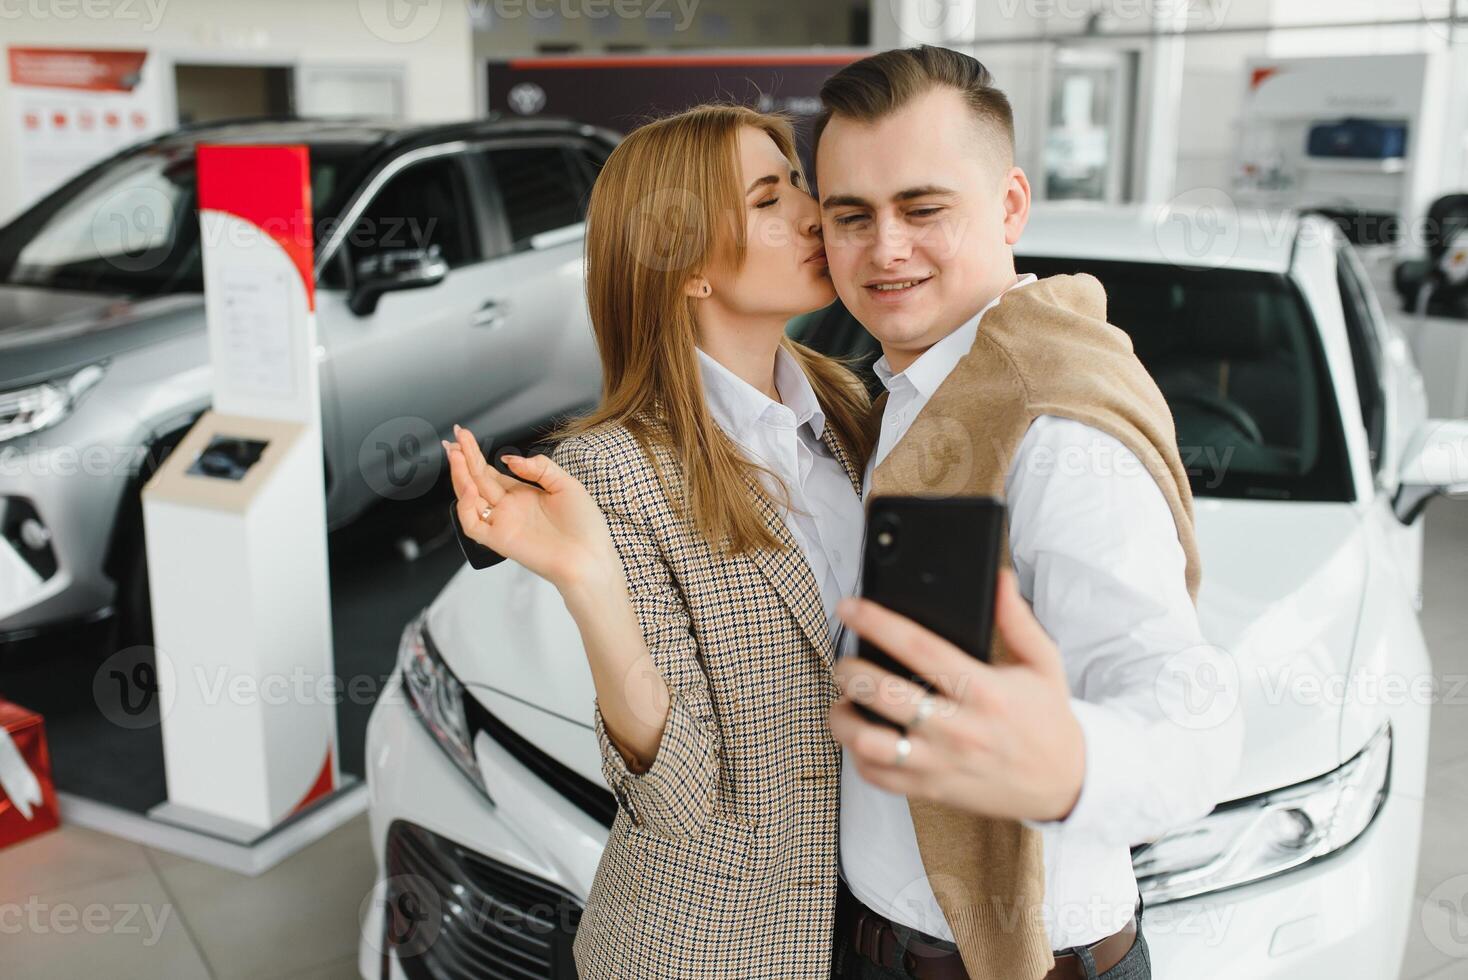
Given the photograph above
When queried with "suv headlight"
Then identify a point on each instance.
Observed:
(41, 406)
(438, 698)
(1249, 840)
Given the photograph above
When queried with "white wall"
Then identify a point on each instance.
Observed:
(434, 47)
(1213, 87)
(1017, 40)
(1190, 85)
(1214, 84)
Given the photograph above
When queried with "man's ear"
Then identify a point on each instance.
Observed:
(1016, 204)
(697, 287)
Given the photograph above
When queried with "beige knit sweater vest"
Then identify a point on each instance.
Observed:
(1045, 349)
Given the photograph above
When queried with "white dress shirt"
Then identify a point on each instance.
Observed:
(1096, 553)
(826, 517)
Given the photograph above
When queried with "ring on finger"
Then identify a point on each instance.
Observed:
(926, 705)
(484, 513)
(904, 749)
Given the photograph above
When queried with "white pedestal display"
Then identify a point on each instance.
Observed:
(235, 524)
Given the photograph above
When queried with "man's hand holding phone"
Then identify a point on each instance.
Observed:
(1002, 740)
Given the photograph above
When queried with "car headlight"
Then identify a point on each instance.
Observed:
(438, 698)
(1249, 840)
(41, 406)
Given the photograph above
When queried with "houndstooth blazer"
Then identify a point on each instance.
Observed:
(721, 861)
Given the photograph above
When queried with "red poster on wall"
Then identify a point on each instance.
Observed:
(90, 71)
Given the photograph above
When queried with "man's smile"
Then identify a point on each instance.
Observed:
(891, 290)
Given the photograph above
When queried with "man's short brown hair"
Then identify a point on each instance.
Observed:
(879, 85)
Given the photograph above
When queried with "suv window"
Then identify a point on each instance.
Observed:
(1365, 354)
(540, 187)
(425, 205)
(131, 225)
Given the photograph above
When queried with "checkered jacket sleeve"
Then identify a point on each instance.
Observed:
(675, 796)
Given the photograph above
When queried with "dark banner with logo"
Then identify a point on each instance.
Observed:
(622, 92)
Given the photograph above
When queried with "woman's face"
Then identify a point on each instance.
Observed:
(784, 271)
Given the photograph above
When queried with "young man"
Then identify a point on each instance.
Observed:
(991, 838)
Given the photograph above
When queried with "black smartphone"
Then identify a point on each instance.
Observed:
(934, 560)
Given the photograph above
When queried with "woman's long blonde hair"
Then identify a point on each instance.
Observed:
(667, 204)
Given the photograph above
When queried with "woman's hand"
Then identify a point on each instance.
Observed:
(556, 530)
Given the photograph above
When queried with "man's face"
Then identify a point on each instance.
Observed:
(919, 212)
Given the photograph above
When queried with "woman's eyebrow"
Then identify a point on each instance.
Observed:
(761, 181)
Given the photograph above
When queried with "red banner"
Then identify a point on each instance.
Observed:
(269, 186)
(91, 71)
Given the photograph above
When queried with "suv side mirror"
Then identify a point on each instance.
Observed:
(394, 269)
(1436, 461)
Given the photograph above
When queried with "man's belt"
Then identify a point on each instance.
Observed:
(874, 936)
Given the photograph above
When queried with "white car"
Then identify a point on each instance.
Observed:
(1302, 419)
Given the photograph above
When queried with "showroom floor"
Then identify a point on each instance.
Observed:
(156, 915)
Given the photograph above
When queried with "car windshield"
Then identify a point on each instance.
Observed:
(1236, 354)
(133, 227)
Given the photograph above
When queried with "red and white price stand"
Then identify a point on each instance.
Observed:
(235, 523)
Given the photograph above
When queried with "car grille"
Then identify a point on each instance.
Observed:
(453, 913)
(595, 800)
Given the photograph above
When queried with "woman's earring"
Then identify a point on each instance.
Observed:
(705, 290)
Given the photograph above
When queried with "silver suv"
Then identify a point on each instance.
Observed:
(449, 289)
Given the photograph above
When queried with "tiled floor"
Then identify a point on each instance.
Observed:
(89, 905)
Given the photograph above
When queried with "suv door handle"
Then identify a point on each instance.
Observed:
(490, 314)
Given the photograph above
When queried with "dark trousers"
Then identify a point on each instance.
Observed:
(848, 964)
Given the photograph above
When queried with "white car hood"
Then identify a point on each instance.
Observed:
(1282, 589)
(1281, 592)
(505, 633)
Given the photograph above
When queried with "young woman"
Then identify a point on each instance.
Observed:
(701, 526)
